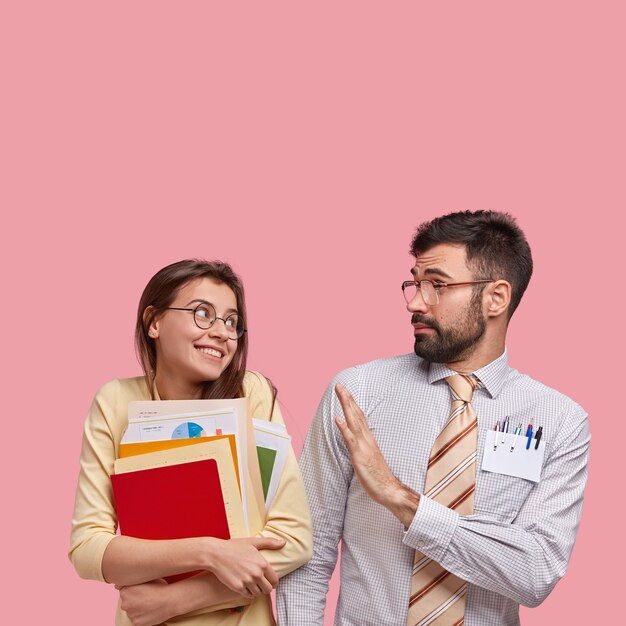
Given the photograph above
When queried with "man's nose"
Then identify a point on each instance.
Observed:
(417, 304)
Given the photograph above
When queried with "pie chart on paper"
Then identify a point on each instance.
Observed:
(188, 430)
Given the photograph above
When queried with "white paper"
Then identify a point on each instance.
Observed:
(520, 462)
(162, 427)
(155, 420)
(275, 437)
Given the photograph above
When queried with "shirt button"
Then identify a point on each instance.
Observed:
(421, 543)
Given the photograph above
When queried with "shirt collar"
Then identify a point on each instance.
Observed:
(492, 375)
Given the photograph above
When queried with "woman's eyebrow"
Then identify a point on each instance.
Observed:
(202, 301)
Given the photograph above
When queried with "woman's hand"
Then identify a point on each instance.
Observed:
(147, 604)
(238, 565)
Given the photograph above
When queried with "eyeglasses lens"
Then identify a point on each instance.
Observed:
(409, 289)
(429, 293)
(205, 316)
(234, 325)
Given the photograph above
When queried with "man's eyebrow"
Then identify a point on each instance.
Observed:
(202, 301)
(429, 271)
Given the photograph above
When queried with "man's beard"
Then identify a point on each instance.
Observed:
(453, 344)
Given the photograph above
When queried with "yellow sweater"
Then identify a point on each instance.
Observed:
(95, 520)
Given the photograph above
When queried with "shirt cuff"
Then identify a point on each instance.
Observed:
(432, 528)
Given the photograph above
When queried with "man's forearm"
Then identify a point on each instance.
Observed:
(521, 562)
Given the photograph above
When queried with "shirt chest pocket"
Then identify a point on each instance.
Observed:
(500, 496)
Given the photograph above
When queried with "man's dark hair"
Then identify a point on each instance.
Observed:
(495, 246)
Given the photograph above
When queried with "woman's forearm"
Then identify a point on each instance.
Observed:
(239, 573)
(130, 561)
(156, 601)
(200, 592)
(236, 562)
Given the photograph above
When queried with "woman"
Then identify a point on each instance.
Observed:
(192, 344)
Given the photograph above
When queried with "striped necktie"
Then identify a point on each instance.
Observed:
(437, 596)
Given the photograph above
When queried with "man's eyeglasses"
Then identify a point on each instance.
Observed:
(430, 290)
(204, 316)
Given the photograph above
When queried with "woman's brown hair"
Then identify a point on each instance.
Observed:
(161, 291)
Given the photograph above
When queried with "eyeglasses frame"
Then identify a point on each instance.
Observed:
(439, 285)
(180, 308)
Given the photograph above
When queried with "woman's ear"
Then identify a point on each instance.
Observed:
(151, 322)
(498, 298)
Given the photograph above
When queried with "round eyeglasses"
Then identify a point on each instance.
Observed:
(204, 316)
(430, 290)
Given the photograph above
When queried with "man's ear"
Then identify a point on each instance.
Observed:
(497, 298)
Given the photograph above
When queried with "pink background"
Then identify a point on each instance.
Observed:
(303, 143)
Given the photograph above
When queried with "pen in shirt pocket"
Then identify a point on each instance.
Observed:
(505, 428)
(529, 433)
(518, 430)
(495, 436)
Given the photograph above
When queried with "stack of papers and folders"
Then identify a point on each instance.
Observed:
(193, 468)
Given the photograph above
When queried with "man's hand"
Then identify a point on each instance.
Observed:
(369, 465)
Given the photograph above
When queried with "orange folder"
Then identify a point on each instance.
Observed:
(145, 447)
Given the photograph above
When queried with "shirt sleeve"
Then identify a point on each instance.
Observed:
(327, 474)
(288, 517)
(523, 559)
(94, 522)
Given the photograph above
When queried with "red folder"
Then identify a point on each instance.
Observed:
(171, 502)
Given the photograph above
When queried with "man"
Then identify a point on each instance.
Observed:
(443, 518)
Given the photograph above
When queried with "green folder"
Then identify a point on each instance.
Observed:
(267, 456)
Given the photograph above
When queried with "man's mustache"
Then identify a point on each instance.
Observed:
(416, 318)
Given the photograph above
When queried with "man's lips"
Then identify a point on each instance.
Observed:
(422, 328)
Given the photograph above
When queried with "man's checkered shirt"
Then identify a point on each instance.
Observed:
(512, 550)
